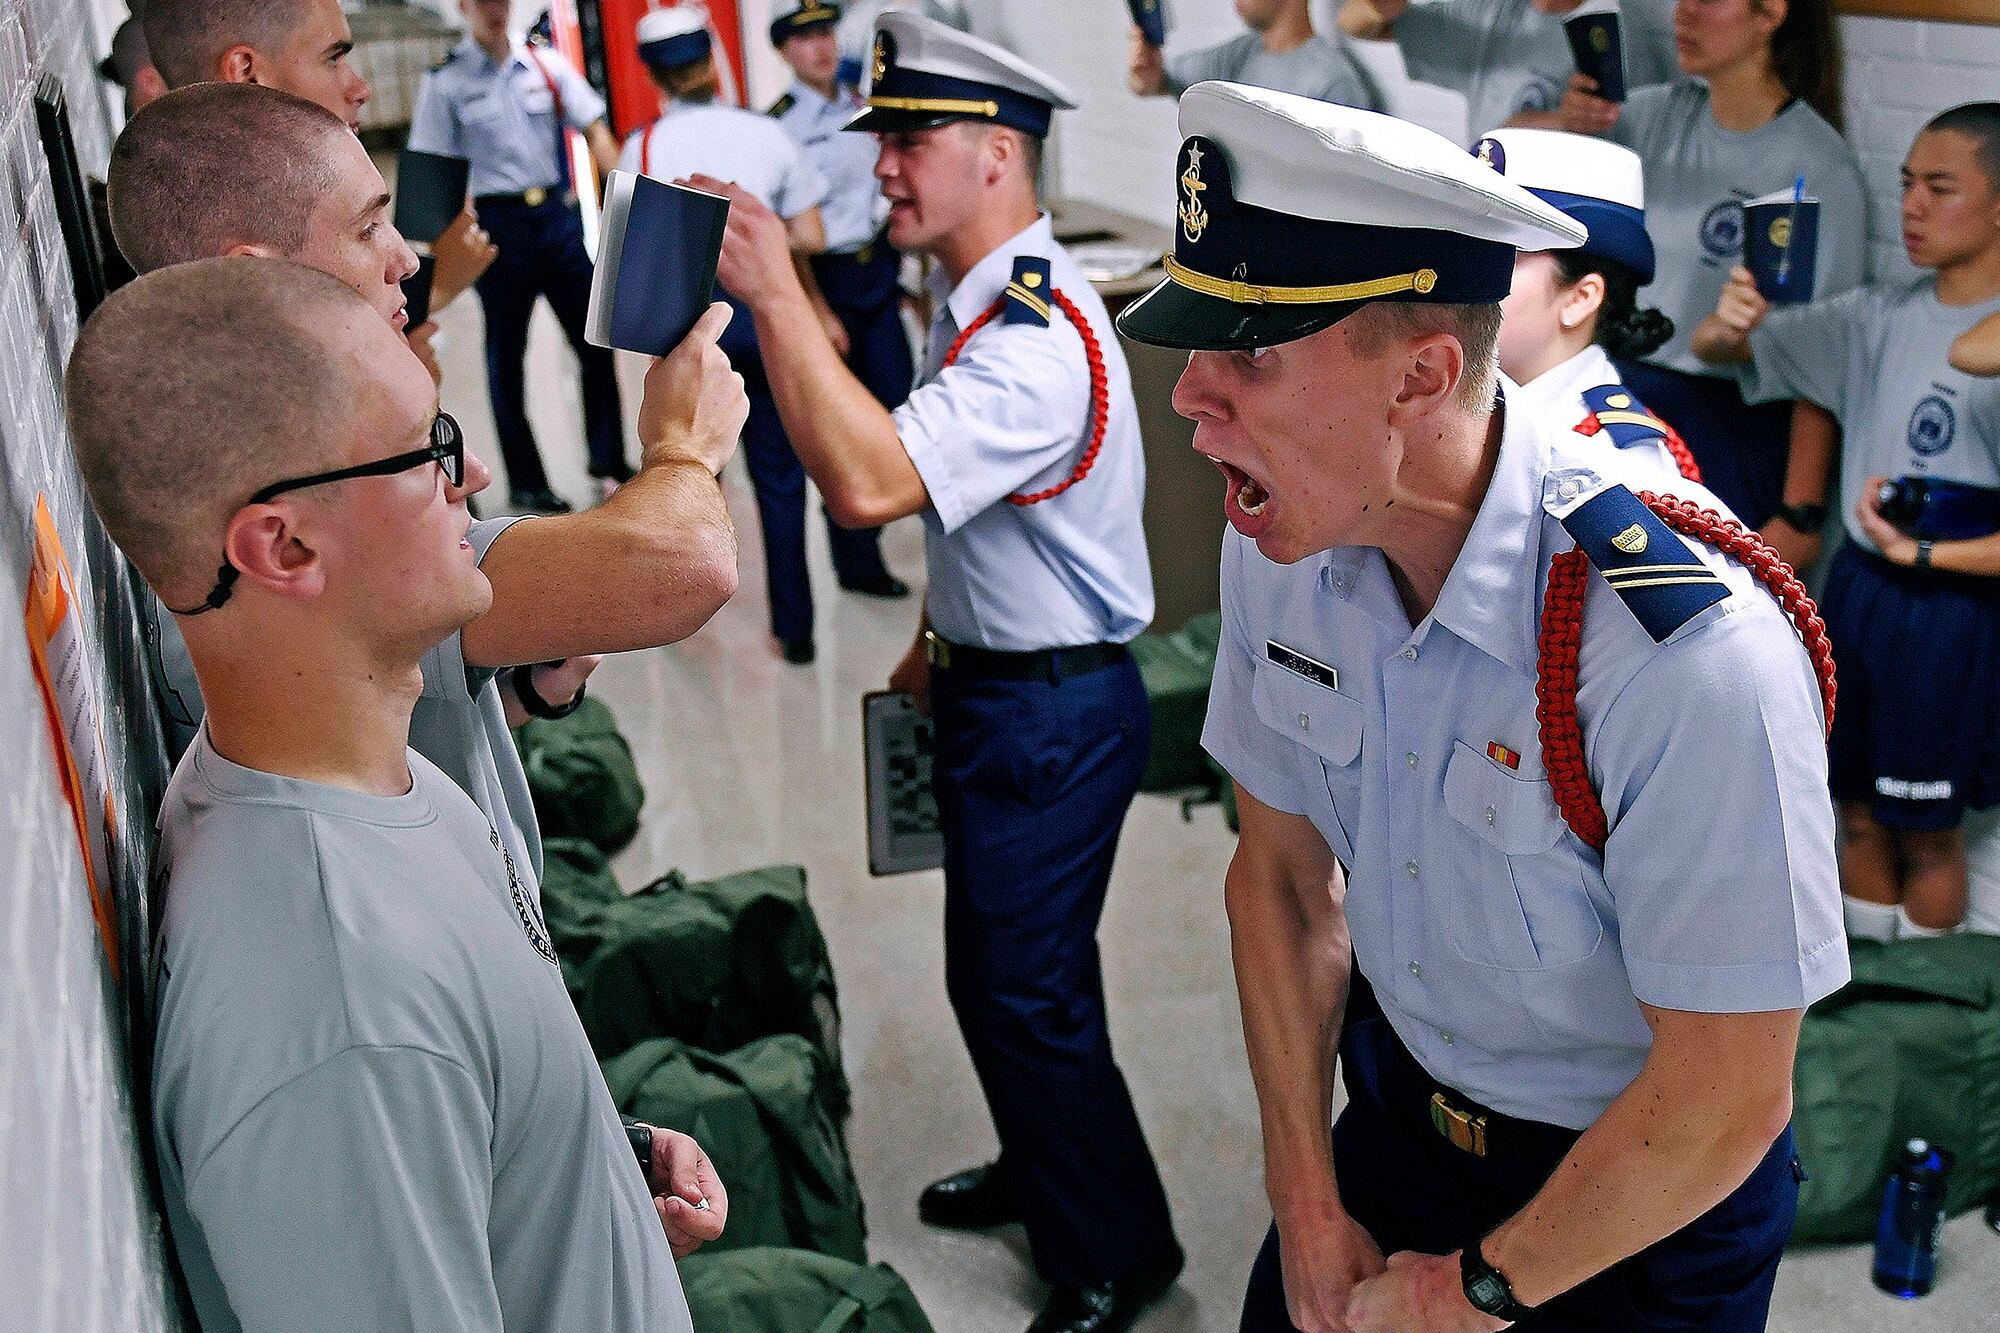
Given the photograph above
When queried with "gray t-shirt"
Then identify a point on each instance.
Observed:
(459, 723)
(374, 1105)
(1646, 28)
(1505, 56)
(1697, 177)
(1320, 67)
(1875, 357)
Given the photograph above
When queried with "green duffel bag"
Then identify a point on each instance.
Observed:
(715, 963)
(581, 776)
(765, 1115)
(577, 887)
(1910, 1048)
(792, 1291)
(1176, 669)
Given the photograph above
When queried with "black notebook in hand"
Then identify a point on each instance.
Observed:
(1595, 41)
(430, 192)
(1151, 18)
(656, 255)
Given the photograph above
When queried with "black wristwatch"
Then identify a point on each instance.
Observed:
(1807, 516)
(1922, 559)
(532, 703)
(1486, 1287)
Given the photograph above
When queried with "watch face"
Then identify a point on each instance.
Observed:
(1488, 1292)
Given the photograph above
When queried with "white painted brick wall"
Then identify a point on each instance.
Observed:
(80, 1243)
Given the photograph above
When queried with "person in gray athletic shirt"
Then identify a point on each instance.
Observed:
(232, 168)
(373, 1103)
(1912, 600)
(1281, 51)
(1756, 109)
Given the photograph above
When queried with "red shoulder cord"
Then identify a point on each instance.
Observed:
(1100, 391)
(1562, 637)
(1683, 456)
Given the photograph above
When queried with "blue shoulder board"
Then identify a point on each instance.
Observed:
(1624, 418)
(1028, 293)
(1646, 563)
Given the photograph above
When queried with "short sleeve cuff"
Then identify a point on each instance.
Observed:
(1745, 988)
(927, 456)
(1271, 785)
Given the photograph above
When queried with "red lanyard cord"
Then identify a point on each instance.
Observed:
(1100, 391)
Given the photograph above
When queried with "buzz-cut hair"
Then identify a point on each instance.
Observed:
(1476, 327)
(192, 387)
(187, 37)
(216, 165)
(1980, 122)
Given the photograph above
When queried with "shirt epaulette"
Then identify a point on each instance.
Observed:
(781, 106)
(1027, 292)
(1654, 572)
(1621, 416)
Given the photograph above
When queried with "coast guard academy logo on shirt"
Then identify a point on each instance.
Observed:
(1722, 229)
(1932, 426)
(525, 910)
(1194, 217)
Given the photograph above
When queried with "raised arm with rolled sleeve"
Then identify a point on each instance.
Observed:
(355, 1196)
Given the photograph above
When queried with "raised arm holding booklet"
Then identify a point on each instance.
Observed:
(656, 260)
(1781, 243)
(1599, 47)
(430, 193)
(1151, 18)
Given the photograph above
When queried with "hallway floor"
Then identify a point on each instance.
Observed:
(748, 761)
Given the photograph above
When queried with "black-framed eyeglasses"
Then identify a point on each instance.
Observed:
(446, 449)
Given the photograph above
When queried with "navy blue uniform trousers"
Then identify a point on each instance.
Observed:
(779, 482)
(542, 255)
(1033, 779)
(1413, 1190)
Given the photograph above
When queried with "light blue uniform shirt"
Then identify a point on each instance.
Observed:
(1509, 956)
(1556, 396)
(854, 209)
(731, 144)
(1012, 415)
(502, 116)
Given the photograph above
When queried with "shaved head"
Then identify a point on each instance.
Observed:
(217, 165)
(187, 37)
(192, 387)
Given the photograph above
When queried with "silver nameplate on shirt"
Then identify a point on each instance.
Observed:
(1291, 659)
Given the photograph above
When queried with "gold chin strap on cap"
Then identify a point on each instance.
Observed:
(1250, 293)
(949, 106)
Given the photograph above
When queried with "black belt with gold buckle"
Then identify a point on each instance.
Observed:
(1049, 664)
(1464, 1130)
(534, 198)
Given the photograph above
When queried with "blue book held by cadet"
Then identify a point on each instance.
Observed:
(1151, 17)
(656, 257)
(1781, 244)
(1598, 46)
(430, 192)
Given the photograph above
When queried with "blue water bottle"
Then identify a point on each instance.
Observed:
(1906, 1236)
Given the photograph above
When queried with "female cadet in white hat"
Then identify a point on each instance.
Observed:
(1571, 311)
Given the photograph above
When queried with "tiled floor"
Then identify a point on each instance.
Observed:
(748, 761)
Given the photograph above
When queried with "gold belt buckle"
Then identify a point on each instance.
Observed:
(937, 651)
(536, 197)
(866, 254)
(1462, 1129)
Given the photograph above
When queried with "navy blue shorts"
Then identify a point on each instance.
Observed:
(1916, 726)
(1413, 1190)
(1742, 448)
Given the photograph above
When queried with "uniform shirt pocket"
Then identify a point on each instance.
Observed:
(1520, 903)
(1326, 724)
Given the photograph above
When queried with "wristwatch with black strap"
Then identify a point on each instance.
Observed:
(532, 703)
(1487, 1289)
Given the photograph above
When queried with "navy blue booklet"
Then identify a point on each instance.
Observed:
(1599, 48)
(430, 192)
(1781, 244)
(1151, 17)
(656, 253)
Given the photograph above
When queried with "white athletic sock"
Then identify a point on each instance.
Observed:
(1907, 929)
(1868, 921)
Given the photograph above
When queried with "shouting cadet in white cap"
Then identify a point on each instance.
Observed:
(1020, 452)
(1552, 771)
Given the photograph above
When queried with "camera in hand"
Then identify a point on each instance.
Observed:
(1902, 500)
(1934, 509)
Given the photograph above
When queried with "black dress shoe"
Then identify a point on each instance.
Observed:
(884, 585)
(538, 500)
(799, 652)
(972, 1200)
(1107, 1307)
